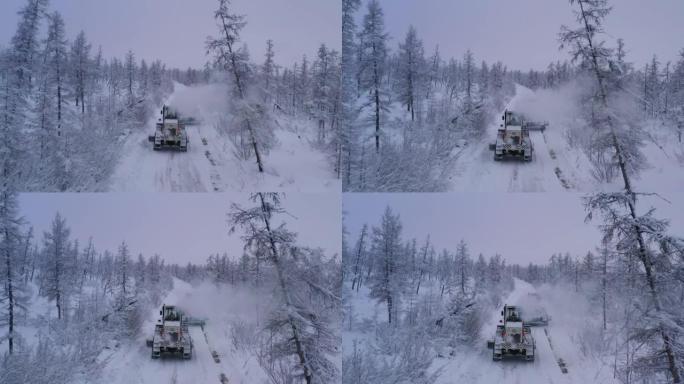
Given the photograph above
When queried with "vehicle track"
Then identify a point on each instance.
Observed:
(561, 363)
(557, 170)
(214, 176)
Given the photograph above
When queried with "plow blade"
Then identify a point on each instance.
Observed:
(536, 126)
(194, 321)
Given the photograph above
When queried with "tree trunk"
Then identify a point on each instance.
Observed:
(642, 249)
(10, 287)
(376, 84)
(299, 347)
(238, 84)
(357, 264)
(604, 273)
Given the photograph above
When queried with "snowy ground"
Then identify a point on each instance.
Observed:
(556, 341)
(209, 164)
(561, 339)
(131, 364)
(556, 165)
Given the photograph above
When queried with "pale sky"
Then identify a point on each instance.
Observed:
(175, 31)
(180, 227)
(522, 227)
(524, 33)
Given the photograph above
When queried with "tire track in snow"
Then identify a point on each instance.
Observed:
(223, 379)
(214, 176)
(561, 363)
(556, 169)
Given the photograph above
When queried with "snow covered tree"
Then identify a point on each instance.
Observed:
(348, 132)
(12, 297)
(324, 90)
(359, 257)
(410, 77)
(386, 283)
(269, 69)
(51, 114)
(130, 71)
(619, 209)
(254, 127)
(79, 61)
(301, 317)
(422, 264)
(433, 75)
(372, 64)
(56, 269)
(18, 66)
(462, 265)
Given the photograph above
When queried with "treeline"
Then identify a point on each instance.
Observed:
(445, 103)
(407, 113)
(309, 89)
(300, 339)
(66, 108)
(296, 286)
(433, 302)
(663, 91)
(630, 323)
(657, 88)
(93, 299)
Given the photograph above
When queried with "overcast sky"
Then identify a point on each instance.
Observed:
(522, 227)
(523, 34)
(180, 227)
(175, 30)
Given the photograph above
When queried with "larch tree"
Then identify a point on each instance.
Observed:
(349, 135)
(632, 230)
(18, 67)
(79, 61)
(385, 282)
(56, 244)
(372, 64)
(269, 71)
(301, 316)
(410, 77)
(359, 256)
(235, 60)
(462, 265)
(12, 296)
(53, 106)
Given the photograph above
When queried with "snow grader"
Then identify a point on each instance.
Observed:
(170, 132)
(513, 337)
(513, 139)
(171, 334)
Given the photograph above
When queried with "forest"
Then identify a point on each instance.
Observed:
(68, 110)
(413, 118)
(415, 313)
(71, 313)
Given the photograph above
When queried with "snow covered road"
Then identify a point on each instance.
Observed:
(558, 166)
(476, 170)
(132, 364)
(209, 165)
(478, 367)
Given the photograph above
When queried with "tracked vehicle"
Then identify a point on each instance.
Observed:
(171, 335)
(170, 132)
(513, 338)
